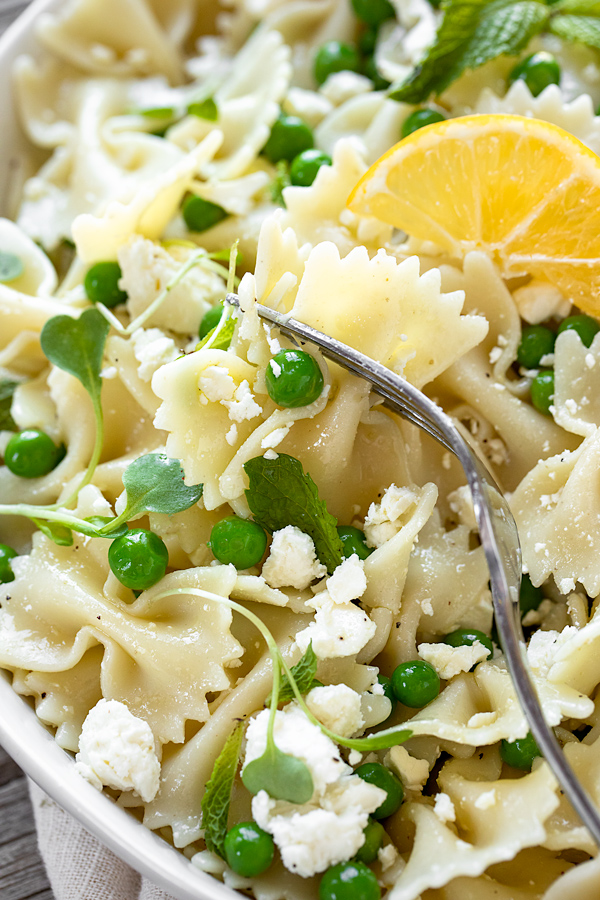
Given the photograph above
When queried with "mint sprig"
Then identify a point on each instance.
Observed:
(217, 795)
(577, 29)
(280, 493)
(303, 674)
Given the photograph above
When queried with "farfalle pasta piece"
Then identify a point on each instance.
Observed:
(577, 384)
(161, 657)
(520, 810)
(558, 517)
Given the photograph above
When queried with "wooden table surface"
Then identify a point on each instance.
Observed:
(22, 873)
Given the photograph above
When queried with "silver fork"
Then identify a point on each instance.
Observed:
(497, 532)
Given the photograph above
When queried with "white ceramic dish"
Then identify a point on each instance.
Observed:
(21, 733)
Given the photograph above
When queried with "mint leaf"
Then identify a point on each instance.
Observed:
(204, 109)
(303, 674)
(7, 389)
(77, 347)
(217, 795)
(220, 341)
(154, 483)
(577, 29)
(282, 776)
(503, 29)
(281, 494)
(577, 7)
(461, 18)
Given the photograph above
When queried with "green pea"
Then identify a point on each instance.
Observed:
(139, 559)
(415, 683)
(381, 777)
(236, 541)
(586, 327)
(388, 690)
(101, 284)
(373, 12)
(530, 597)
(305, 166)
(293, 379)
(32, 453)
(536, 342)
(249, 850)
(335, 56)
(353, 541)
(367, 41)
(419, 119)
(349, 881)
(200, 214)
(210, 320)
(374, 834)
(289, 136)
(6, 554)
(542, 391)
(466, 637)
(371, 71)
(521, 753)
(537, 71)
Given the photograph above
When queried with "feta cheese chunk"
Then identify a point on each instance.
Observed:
(412, 772)
(216, 384)
(243, 406)
(337, 707)
(117, 749)
(329, 828)
(337, 630)
(539, 300)
(348, 581)
(292, 560)
(152, 349)
(450, 661)
(444, 808)
(385, 519)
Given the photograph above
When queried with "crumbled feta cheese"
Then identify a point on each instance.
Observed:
(590, 360)
(292, 560)
(275, 368)
(544, 646)
(444, 808)
(275, 437)
(337, 707)
(338, 629)
(270, 454)
(152, 349)
(412, 772)
(449, 661)
(547, 359)
(329, 829)
(348, 581)
(354, 757)
(274, 345)
(117, 749)
(109, 372)
(486, 800)
(539, 300)
(461, 503)
(427, 606)
(216, 384)
(495, 354)
(243, 406)
(385, 519)
(342, 86)
(231, 436)
(387, 856)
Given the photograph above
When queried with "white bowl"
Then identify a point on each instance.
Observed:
(21, 733)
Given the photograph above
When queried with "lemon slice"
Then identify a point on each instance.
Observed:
(525, 191)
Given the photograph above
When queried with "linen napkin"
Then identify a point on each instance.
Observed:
(78, 866)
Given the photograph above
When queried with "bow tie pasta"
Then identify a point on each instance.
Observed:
(248, 599)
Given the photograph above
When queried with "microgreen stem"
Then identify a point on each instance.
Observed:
(49, 515)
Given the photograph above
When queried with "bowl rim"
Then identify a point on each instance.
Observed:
(23, 735)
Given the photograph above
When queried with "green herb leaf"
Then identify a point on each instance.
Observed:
(205, 109)
(7, 389)
(283, 777)
(154, 483)
(461, 18)
(220, 341)
(217, 795)
(77, 347)
(11, 266)
(281, 181)
(503, 29)
(103, 522)
(578, 29)
(156, 112)
(303, 674)
(57, 533)
(281, 494)
(390, 737)
(577, 7)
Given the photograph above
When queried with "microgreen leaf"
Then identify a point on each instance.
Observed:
(154, 483)
(77, 347)
(304, 675)
(219, 337)
(11, 266)
(7, 389)
(217, 795)
(282, 776)
(577, 29)
(156, 112)
(204, 109)
(390, 737)
(58, 533)
(281, 494)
